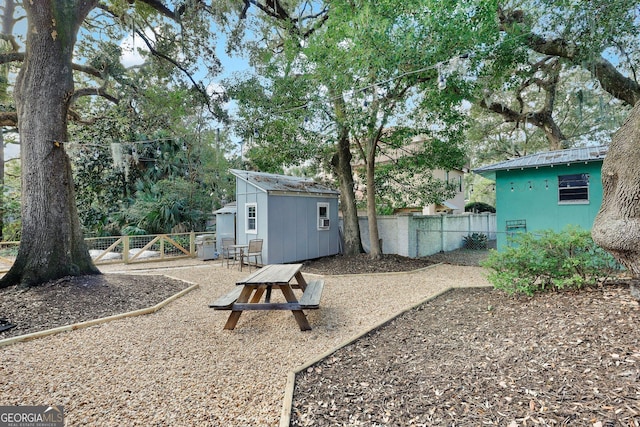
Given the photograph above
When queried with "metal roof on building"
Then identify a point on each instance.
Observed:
(282, 183)
(547, 158)
(229, 208)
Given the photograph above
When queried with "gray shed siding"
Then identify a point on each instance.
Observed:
(287, 223)
(293, 231)
(245, 194)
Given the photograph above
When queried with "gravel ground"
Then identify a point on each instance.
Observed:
(179, 367)
(468, 357)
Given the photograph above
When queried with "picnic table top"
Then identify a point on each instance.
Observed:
(272, 274)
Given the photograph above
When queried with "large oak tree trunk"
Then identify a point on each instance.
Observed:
(2, 189)
(617, 225)
(341, 164)
(51, 245)
(7, 25)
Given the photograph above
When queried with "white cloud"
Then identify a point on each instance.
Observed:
(130, 55)
(215, 90)
(131, 47)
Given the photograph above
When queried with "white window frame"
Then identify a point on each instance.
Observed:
(569, 188)
(320, 220)
(247, 208)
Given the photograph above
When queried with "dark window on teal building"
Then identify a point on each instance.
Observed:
(573, 188)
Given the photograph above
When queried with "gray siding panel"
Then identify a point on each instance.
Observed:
(303, 236)
(293, 233)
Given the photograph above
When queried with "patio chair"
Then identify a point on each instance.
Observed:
(227, 251)
(254, 250)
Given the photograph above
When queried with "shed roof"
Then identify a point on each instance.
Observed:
(547, 158)
(270, 183)
(229, 208)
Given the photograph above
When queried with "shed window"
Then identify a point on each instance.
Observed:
(251, 218)
(573, 188)
(323, 216)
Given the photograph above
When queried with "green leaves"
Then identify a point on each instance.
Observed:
(370, 70)
(161, 206)
(555, 65)
(163, 180)
(549, 261)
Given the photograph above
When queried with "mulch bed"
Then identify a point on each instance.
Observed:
(477, 357)
(78, 299)
(362, 264)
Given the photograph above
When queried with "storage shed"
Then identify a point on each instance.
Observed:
(225, 223)
(297, 218)
(548, 190)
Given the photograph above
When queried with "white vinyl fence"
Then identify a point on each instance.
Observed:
(422, 235)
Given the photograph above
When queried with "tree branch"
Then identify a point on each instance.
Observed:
(611, 80)
(88, 70)
(161, 8)
(5, 58)
(9, 38)
(542, 119)
(274, 9)
(175, 63)
(614, 82)
(509, 115)
(8, 118)
(75, 116)
(93, 91)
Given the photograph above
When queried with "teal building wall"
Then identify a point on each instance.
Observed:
(531, 194)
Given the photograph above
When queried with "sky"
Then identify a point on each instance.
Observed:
(230, 65)
(131, 57)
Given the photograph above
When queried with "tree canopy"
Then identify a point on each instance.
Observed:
(70, 70)
(373, 73)
(338, 86)
(563, 74)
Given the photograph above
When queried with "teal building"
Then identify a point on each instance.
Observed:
(547, 190)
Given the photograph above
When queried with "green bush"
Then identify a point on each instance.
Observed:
(549, 261)
(479, 207)
(475, 241)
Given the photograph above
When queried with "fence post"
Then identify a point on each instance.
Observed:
(441, 233)
(488, 226)
(125, 249)
(192, 243)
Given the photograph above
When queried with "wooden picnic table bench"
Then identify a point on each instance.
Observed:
(249, 291)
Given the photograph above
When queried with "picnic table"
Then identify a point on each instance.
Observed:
(249, 292)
